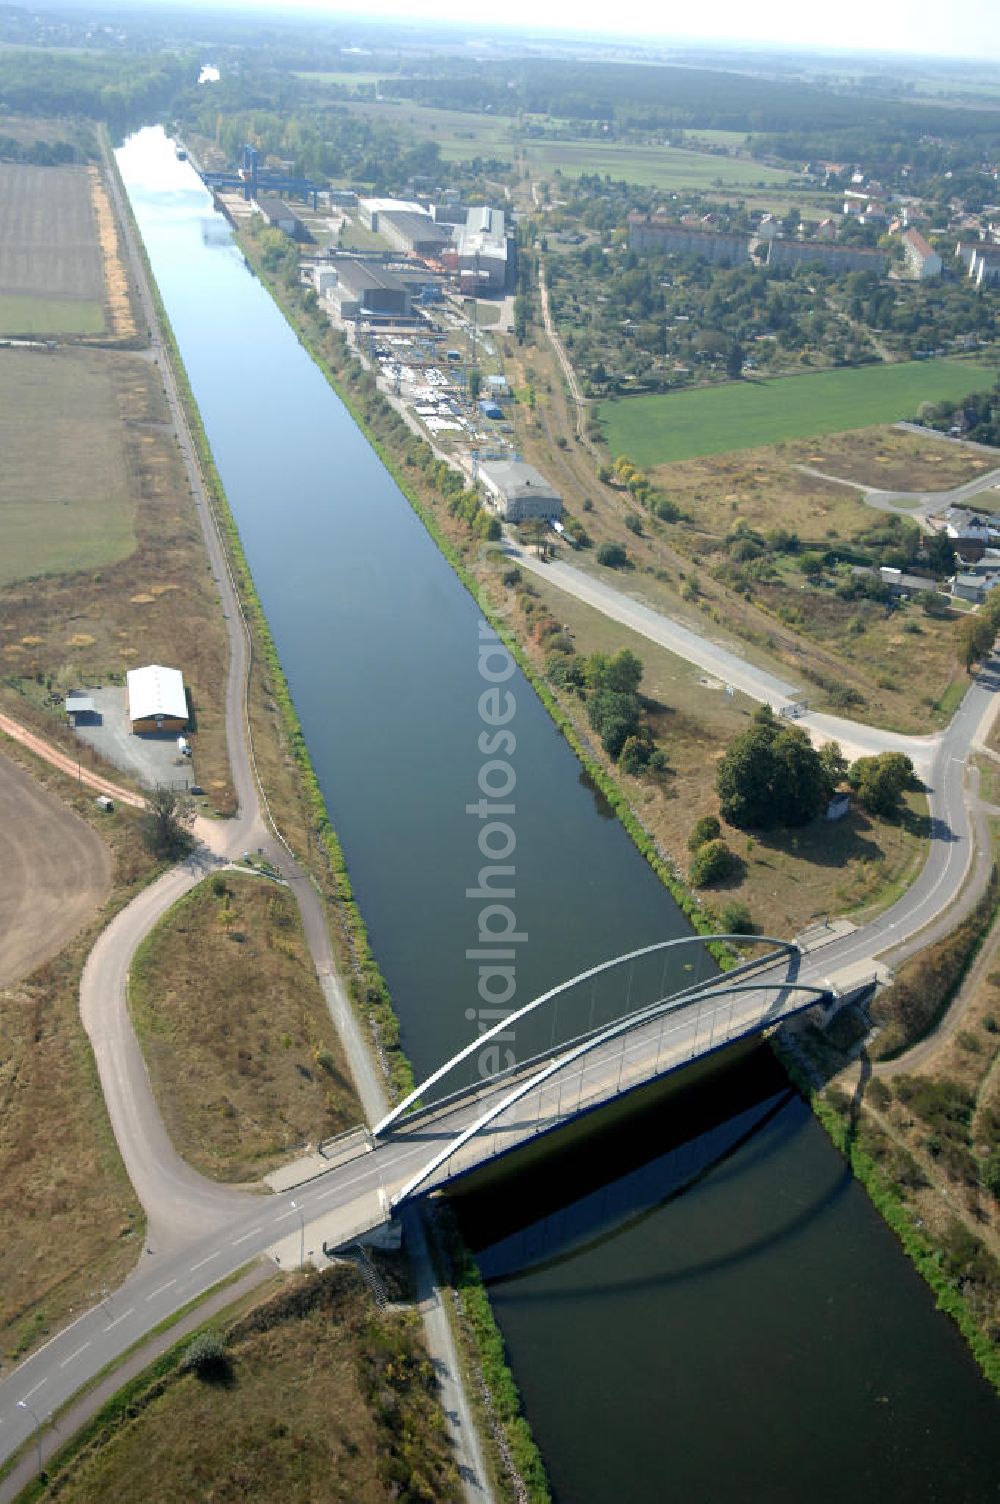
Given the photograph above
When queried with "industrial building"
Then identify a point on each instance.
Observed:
(518, 492)
(650, 232)
(370, 210)
(281, 217)
(416, 234)
(481, 253)
(364, 289)
(157, 700)
(921, 260)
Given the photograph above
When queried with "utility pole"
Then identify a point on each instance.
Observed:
(23, 1405)
(302, 1234)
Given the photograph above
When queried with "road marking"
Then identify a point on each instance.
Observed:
(36, 1388)
(67, 1361)
(246, 1236)
(161, 1289)
(202, 1262)
(122, 1317)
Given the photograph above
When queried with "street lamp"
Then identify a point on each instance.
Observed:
(302, 1234)
(23, 1405)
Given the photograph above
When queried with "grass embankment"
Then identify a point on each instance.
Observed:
(657, 430)
(320, 1398)
(71, 1221)
(921, 1127)
(242, 1053)
(963, 1274)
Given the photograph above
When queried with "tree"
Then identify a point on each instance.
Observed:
(613, 708)
(734, 361)
(834, 764)
(475, 383)
(940, 554)
(976, 633)
(166, 824)
(771, 775)
(879, 781)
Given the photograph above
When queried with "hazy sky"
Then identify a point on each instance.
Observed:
(969, 28)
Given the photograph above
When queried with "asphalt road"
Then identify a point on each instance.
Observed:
(723, 662)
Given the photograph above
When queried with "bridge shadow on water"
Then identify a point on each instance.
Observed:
(718, 1125)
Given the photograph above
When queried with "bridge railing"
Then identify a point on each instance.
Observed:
(619, 1067)
(550, 999)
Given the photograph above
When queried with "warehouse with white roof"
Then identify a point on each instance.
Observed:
(157, 700)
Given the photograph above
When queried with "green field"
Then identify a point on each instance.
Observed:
(649, 166)
(742, 415)
(65, 501)
(344, 80)
(50, 316)
(459, 135)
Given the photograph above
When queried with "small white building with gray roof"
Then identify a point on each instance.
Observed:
(519, 492)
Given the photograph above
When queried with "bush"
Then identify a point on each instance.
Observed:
(634, 524)
(705, 829)
(613, 555)
(634, 755)
(710, 864)
(206, 1355)
(736, 919)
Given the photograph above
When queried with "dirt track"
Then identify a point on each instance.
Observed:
(54, 872)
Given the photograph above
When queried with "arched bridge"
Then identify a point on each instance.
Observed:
(424, 1143)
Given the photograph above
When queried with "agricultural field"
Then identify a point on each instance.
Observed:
(71, 1221)
(664, 167)
(458, 134)
(662, 429)
(51, 266)
(65, 492)
(56, 871)
(348, 80)
(243, 1056)
(108, 571)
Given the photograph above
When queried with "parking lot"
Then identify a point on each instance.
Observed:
(154, 760)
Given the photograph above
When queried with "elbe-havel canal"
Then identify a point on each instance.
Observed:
(700, 1305)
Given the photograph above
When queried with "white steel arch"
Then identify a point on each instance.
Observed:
(623, 1026)
(785, 947)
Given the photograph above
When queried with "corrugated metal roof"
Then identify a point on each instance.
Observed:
(156, 691)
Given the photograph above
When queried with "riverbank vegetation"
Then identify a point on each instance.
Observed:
(242, 1054)
(313, 1394)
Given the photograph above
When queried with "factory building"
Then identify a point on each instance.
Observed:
(415, 234)
(518, 492)
(370, 210)
(364, 289)
(281, 217)
(481, 255)
(157, 700)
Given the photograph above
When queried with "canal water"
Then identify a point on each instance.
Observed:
(699, 1304)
